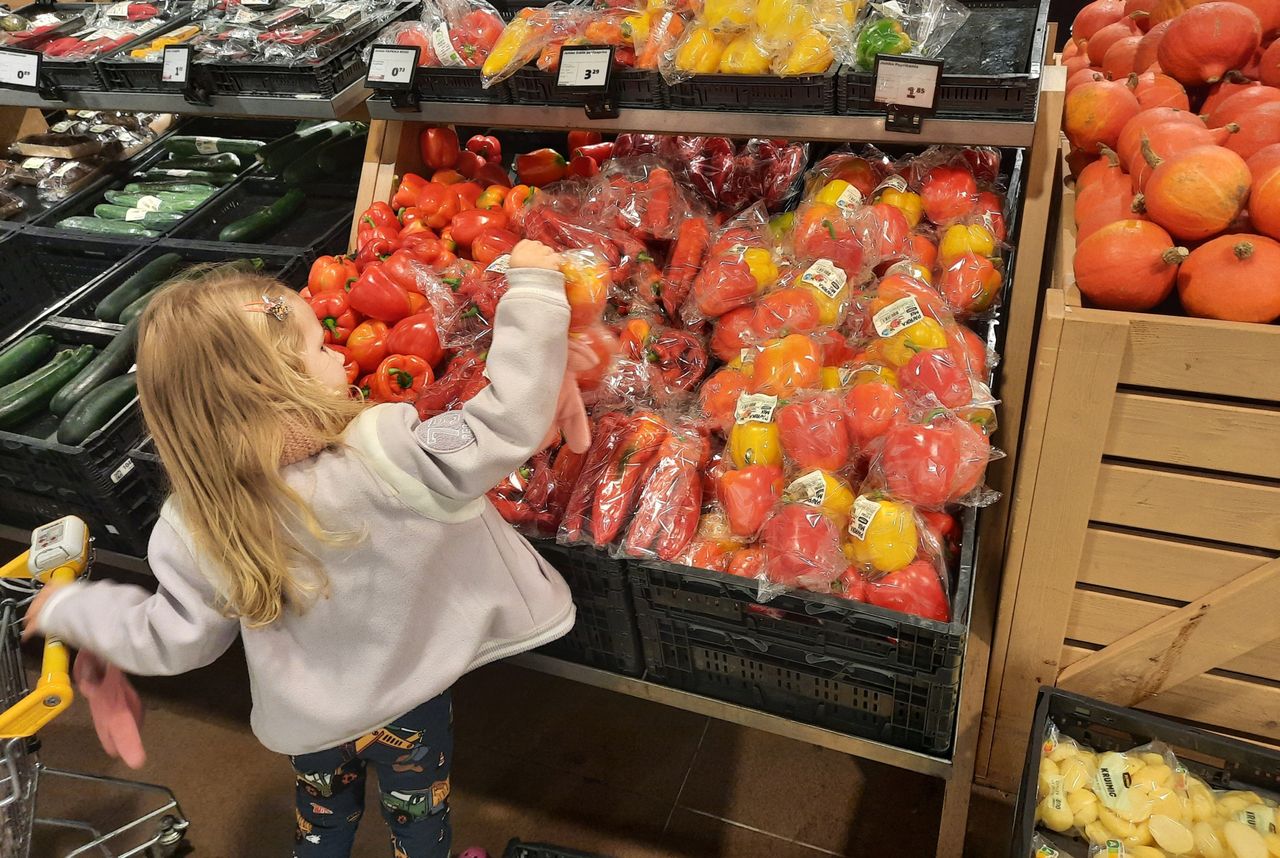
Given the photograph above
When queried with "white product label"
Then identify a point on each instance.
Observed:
(850, 198)
(500, 265)
(443, 47)
(135, 214)
(244, 16)
(1058, 792)
(60, 127)
(747, 355)
(112, 529)
(585, 66)
(907, 82)
(906, 268)
(34, 163)
(66, 167)
(261, 4)
(176, 64)
(118, 10)
(1109, 784)
(895, 183)
(846, 374)
(207, 145)
(892, 8)
(125, 469)
(46, 19)
(755, 408)
(100, 129)
(811, 489)
(865, 510)
(19, 69)
(825, 276)
(391, 64)
(344, 11)
(901, 314)
(178, 173)
(1259, 817)
(149, 203)
(738, 249)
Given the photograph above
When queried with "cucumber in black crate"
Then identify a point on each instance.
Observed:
(150, 220)
(162, 201)
(114, 360)
(97, 407)
(103, 226)
(24, 356)
(189, 147)
(345, 148)
(142, 281)
(31, 394)
(265, 221)
(223, 162)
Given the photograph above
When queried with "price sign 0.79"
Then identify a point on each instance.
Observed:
(585, 67)
(19, 69)
(910, 82)
(392, 66)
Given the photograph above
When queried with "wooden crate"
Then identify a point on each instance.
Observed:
(1142, 559)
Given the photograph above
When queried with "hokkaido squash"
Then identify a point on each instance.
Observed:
(1098, 169)
(1234, 277)
(1207, 41)
(1197, 193)
(1235, 107)
(1260, 163)
(1224, 89)
(1264, 204)
(1104, 200)
(1145, 57)
(1259, 127)
(1096, 112)
(1268, 12)
(1158, 90)
(1108, 36)
(1169, 139)
(1127, 265)
(1085, 75)
(1269, 65)
(1094, 16)
(1118, 61)
(1129, 146)
(1167, 10)
(1139, 11)
(1071, 49)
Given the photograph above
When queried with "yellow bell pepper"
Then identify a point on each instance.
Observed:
(728, 15)
(840, 194)
(911, 268)
(960, 239)
(875, 372)
(837, 14)
(925, 334)
(636, 29)
(911, 206)
(782, 22)
(810, 54)
(700, 51)
(781, 224)
(755, 443)
(825, 491)
(744, 55)
(511, 45)
(830, 378)
(891, 539)
(762, 266)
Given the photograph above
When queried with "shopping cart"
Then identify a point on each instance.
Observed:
(59, 552)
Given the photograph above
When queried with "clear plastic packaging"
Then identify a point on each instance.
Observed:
(935, 459)
(11, 204)
(668, 510)
(918, 27)
(739, 266)
(67, 177)
(525, 37)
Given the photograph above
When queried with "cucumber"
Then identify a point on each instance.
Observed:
(103, 226)
(244, 266)
(341, 155)
(114, 360)
(96, 408)
(28, 396)
(139, 283)
(161, 202)
(189, 147)
(174, 186)
(293, 138)
(207, 177)
(151, 220)
(306, 167)
(24, 356)
(278, 161)
(265, 221)
(223, 162)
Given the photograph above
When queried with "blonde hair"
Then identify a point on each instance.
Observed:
(221, 387)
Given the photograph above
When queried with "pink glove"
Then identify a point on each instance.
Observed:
(114, 705)
(571, 415)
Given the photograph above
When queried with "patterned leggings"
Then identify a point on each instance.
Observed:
(411, 756)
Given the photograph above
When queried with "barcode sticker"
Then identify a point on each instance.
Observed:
(207, 145)
(149, 203)
(126, 468)
(135, 214)
(500, 265)
(850, 198)
(894, 183)
(755, 408)
(825, 276)
(864, 512)
(443, 46)
(810, 490)
(899, 315)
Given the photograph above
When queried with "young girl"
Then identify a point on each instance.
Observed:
(351, 547)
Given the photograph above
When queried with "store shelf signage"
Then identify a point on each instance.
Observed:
(175, 67)
(907, 81)
(392, 66)
(19, 69)
(585, 67)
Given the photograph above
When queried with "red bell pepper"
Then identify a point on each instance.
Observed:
(411, 188)
(491, 243)
(493, 174)
(540, 167)
(916, 589)
(399, 378)
(368, 344)
(474, 35)
(813, 433)
(718, 396)
(335, 314)
(616, 493)
(373, 251)
(723, 285)
(380, 215)
(379, 296)
(486, 147)
(578, 139)
(517, 202)
(468, 225)
(802, 547)
(349, 364)
(935, 462)
(749, 494)
(439, 147)
(331, 274)
(935, 373)
(598, 152)
(469, 163)
(416, 335)
(678, 356)
(583, 166)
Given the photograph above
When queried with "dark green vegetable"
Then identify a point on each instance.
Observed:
(263, 222)
(114, 360)
(151, 220)
(280, 157)
(207, 177)
(306, 168)
(190, 147)
(177, 186)
(341, 155)
(139, 283)
(292, 139)
(103, 226)
(163, 201)
(29, 395)
(223, 162)
(24, 356)
(96, 408)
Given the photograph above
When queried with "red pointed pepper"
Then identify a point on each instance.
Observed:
(540, 167)
(615, 495)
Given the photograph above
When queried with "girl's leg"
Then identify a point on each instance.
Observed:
(413, 756)
(330, 795)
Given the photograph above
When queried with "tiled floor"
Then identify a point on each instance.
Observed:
(542, 759)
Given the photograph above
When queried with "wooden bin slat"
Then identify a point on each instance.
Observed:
(1216, 436)
(1165, 568)
(1201, 356)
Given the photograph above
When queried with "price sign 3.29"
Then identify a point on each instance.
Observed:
(19, 69)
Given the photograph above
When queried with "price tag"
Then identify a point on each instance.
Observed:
(175, 68)
(585, 67)
(907, 82)
(19, 69)
(392, 66)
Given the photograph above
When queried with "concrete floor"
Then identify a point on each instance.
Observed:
(538, 758)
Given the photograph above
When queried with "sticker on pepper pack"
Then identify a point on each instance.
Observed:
(443, 47)
(118, 10)
(850, 198)
(46, 19)
(1259, 817)
(63, 126)
(34, 163)
(865, 510)
(895, 183)
(65, 168)
(810, 490)
(739, 249)
(846, 374)
(747, 355)
(902, 313)
(755, 408)
(500, 265)
(244, 16)
(207, 145)
(825, 276)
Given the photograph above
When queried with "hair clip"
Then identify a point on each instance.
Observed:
(274, 307)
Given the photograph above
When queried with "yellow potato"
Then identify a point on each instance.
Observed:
(1063, 750)
(1208, 843)
(1134, 764)
(1054, 812)
(1143, 852)
(1202, 804)
(1244, 841)
(1135, 804)
(1231, 804)
(1096, 834)
(1084, 807)
(1141, 836)
(1153, 777)
(1171, 835)
(1074, 775)
(1119, 828)
(1168, 803)
(1048, 769)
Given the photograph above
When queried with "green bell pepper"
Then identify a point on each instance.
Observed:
(884, 36)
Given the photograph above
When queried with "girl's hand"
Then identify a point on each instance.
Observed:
(534, 254)
(31, 623)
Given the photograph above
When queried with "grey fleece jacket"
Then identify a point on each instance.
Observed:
(439, 585)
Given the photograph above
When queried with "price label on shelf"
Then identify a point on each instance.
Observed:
(907, 82)
(392, 66)
(19, 69)
(175, 67)
(585, 67)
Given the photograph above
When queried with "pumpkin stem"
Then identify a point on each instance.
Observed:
(1141, 13)
(1139, 204)
(1132, 81)
(1175, 255)
(1234, 77)
(1149, 154)
(1109, 154)
(1232, 127)
(1243, 250)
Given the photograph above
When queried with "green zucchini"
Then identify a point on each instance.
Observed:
(244, 266)
(103, 226)
(29, 395)
(24, 356)
(265, 221)
(113, 360)
(174, 186)
(341, 155)
(223, 162)
(139, 283)
(293, 138)
(162, 202)
(279, 158)
(134, 310)
(189, 147)
(96, 408)
(207, 177)
(306, 167)
(151, 220)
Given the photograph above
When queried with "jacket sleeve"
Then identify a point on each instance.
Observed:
(174, 630)
(462, 454)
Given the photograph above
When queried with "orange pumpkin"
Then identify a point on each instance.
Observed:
(1261, 162)
(1096, 112)
(1158, 90)
(1234, 277)
(1145, 57)
(1108, 36)
(1094, 16)
(1139, 11)
(1259, 127)
(1164, 141)
(1198, 193)
(1269, 65)
(1127, 265)
(1129, 145)
(1238, 105)
(1118, 61)
(1264, 204)
(1223, 90)
(1167, 10)
(1107, 165)
(1207, 41)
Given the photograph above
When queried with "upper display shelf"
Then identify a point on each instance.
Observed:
(347, 104)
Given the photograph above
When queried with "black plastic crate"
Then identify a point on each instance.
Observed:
(605, 633)
(33, 461)
(150, 471)
(39, 268)
(282, 263)
(120, 522)
(633, 88)
(520, 849)
(448, 84)
(815, 93)
(1223, 763)
(323, 221)
(122, 74)
(964, 94)
(87, 74)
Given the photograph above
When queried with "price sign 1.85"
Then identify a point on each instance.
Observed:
(907, 82)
